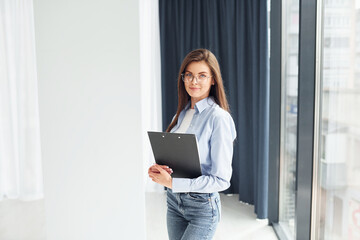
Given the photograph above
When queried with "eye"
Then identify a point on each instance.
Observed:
(202, 76)
(188, 75)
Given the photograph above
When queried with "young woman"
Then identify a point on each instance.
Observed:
(194, 206)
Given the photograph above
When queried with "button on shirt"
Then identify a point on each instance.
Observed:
(215, 133)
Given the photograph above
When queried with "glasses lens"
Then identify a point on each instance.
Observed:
(187, 77)
(202, 77)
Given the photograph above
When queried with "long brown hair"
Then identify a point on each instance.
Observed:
(217, 90)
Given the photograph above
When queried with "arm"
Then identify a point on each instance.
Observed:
(221, 153)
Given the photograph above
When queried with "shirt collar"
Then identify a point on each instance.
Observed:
(202, 104)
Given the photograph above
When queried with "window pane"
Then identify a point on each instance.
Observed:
(339, 158)
(289, 116)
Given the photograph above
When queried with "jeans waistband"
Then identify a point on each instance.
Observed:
(210, 194)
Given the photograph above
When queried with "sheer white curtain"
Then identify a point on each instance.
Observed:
(150, 80)
(20, 155)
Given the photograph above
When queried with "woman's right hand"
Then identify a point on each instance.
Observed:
(154, 170)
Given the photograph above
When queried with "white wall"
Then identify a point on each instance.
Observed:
(150, 75)
(90, 118)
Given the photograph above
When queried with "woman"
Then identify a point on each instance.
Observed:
(194, 206)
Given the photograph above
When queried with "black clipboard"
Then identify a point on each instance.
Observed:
(179, 151)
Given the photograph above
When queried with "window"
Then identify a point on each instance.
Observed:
(338, 201)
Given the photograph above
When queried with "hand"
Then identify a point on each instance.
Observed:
(166, 168)
(161, 176)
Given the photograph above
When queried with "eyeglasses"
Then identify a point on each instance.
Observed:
(188, 77)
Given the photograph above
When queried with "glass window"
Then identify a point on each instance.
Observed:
(339, 159)
(290, 43)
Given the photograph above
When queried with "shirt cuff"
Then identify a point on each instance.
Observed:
(181, 185)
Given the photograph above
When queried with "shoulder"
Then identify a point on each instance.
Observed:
(219, 114)
(222, 122)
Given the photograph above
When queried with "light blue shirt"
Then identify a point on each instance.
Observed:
(215, 132)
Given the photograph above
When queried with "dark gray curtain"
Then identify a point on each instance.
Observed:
(236, 32)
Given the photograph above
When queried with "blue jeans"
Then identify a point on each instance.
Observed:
(192, 215)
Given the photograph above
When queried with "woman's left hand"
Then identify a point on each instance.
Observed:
(163, 177)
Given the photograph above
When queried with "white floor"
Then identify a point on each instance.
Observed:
(238, 220)
(22, 220)
(26, 220)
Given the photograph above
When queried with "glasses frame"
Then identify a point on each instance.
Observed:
(193, 77)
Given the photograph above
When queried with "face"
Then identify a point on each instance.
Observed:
(198, 90)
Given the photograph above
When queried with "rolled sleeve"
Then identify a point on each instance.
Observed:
(181, 184)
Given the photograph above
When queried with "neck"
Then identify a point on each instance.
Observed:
(195, 100)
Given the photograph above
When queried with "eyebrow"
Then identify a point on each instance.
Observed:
(198, 73)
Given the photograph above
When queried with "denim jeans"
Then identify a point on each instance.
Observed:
(192, 215)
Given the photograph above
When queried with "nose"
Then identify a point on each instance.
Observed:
(193, 80)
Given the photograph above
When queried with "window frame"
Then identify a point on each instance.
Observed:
(308, 110)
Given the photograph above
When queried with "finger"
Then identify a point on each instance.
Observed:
(153, 169)
(154, 179)
(167, 169)
(154, 175)
(162, 171)
(164, 166)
